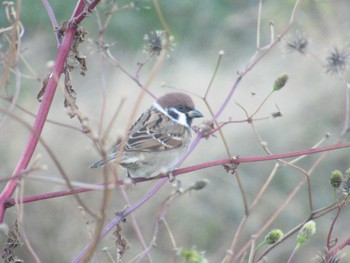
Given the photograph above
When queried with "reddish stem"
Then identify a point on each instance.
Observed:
(329, 236)
(238, 160)
(339, 248)
(11, 202)
(42, 112)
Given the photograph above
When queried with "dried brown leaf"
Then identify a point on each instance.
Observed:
(13, 240)
(120, 242)
(206, 128)
(70, 94)
(43, 88)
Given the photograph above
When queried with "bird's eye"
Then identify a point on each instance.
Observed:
(181, 108)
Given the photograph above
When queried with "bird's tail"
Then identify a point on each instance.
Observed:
(103, 162)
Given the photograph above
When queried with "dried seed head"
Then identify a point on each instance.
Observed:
(337, 60)
(156, 41)
(325, 257)
(345, 185)
(298, 43)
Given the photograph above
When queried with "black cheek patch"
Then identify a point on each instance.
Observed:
(189, 121)
(173, 114)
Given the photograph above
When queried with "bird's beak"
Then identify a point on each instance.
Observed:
(194, 114)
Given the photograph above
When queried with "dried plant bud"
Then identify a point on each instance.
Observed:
(199, 185)
(306, 232)
(273, 236)
(192, 256)
(280, 82)
(276, 114)
(337, 60)
(336, 179)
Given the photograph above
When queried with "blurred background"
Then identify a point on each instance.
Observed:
(312, 104)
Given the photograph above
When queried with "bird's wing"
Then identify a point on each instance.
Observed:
(154, 131)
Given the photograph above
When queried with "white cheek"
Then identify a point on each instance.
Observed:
(182, 118)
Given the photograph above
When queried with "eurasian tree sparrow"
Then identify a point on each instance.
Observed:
(158, 138)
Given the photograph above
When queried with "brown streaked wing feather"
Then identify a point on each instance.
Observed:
(154, 131)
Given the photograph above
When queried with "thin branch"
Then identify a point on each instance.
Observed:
(53, 20)
(16, 177)
(43, 111)
(237, 161)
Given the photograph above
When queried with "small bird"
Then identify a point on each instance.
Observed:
(158, 138)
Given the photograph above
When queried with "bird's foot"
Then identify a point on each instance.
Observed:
(171, 177)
